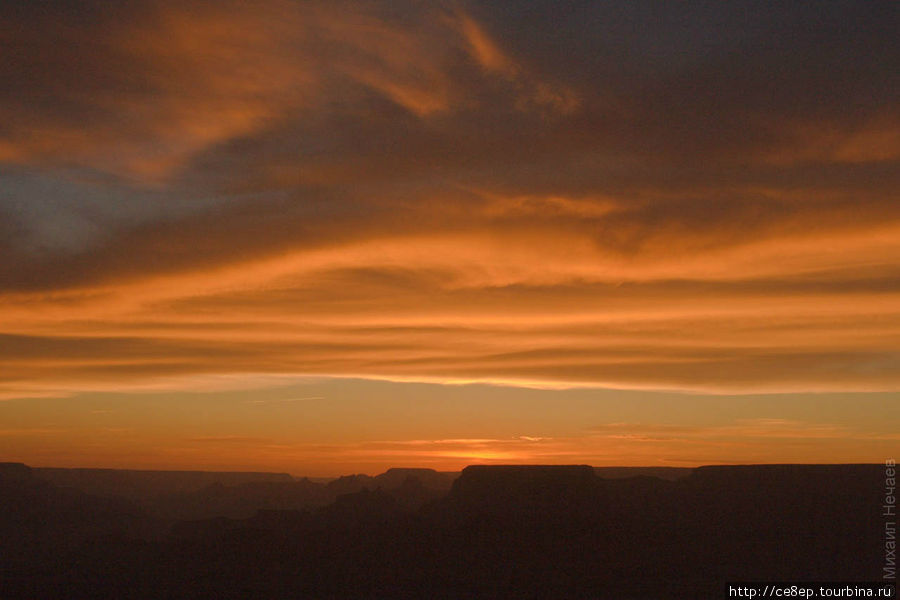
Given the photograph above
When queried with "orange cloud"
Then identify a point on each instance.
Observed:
(757, 317)
(343, 189)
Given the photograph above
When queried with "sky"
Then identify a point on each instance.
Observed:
(334, 237)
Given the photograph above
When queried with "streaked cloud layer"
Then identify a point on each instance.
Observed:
(634, 195)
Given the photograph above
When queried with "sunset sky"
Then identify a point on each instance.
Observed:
(334, 237)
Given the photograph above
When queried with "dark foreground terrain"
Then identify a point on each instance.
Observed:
(489, 532)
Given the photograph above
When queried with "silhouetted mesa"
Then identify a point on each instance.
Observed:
(669, 473)
(484, 486)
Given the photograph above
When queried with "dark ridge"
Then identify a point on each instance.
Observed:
(139, 485)
(41, 519)
(242, 500)
(350, 484)
(785, 471)
(395, 477)
(364, 508)
(411, 488)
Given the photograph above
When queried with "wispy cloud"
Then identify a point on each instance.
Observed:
(228, 440)
(31, 431)
(743, 428)
(286, 400)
